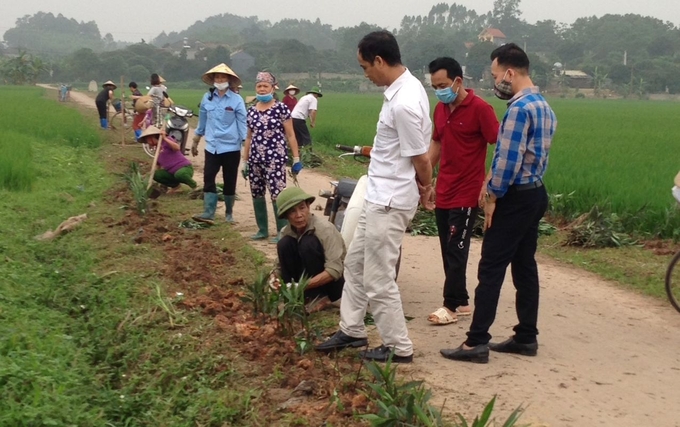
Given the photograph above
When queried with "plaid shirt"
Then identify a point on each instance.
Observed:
(524, 139)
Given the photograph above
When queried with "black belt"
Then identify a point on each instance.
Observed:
(529, 186)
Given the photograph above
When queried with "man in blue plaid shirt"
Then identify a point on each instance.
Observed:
(514, 201)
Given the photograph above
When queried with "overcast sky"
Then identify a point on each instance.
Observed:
(131, 20)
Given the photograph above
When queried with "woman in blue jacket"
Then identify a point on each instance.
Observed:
(222, 123)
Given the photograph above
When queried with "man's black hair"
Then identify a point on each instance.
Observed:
(382, 44)
(511, 55)
(133, 85)
(452, 67)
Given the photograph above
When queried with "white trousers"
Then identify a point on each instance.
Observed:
(370, 267)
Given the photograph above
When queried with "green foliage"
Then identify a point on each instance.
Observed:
(28, 120)
(53, 35)
(424, 223)
(601, 155)
(25, 111)
(137, 186)
(16, 164)
(399, 404)
(83, 348)
(260, 296)
(485, 420)
(597, 229)
(309, 158)
(22, 69)
(291, 310)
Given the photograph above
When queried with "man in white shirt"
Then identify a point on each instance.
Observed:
(398, 177)
(305, 107)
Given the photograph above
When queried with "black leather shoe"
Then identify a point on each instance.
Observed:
(511, 346)
(339, 341)
(478, 354)
(382, 353)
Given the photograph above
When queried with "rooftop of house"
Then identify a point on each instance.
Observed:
(494, 32)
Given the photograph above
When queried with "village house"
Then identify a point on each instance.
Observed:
(493, 35)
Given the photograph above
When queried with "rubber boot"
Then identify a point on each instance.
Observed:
(260, 208)
(229, 208)
(138, 133)
(280, 223)
(209, 206)
(104, 123)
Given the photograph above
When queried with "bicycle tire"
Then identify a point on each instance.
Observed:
(673, 285)
(148, 150)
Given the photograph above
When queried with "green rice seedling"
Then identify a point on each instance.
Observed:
(27, 111)
(16, 163)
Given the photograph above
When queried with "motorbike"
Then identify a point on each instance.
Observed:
(176, 126)
(346, 198)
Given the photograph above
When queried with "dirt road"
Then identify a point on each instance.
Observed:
(607, 356)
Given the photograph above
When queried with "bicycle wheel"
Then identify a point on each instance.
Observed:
(673, 281)
(151, 151)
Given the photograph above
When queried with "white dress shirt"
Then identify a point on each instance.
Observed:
(404, 131)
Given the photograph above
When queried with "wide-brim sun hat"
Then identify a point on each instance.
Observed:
(209, 76)
(291, 197)
(151, 130)
(315, 90)
(292, 87)
(110, 83)
(161, 79)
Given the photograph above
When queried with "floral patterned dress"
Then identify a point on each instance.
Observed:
(268, 153)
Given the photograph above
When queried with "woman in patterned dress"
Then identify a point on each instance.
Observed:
(265, 154)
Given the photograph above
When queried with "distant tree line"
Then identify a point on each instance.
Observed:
(629, 53)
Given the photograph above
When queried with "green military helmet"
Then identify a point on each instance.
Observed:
(291, 197)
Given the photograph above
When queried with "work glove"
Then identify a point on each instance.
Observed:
(245, 170)
(297, 166)
(194, 147)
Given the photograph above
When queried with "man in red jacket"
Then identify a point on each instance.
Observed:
(463, 126)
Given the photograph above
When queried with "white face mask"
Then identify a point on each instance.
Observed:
(291, 92)
(221, 86)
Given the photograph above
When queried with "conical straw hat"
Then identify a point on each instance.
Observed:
(151, 130)
(292, 87)
(109, 82)
(209, 76)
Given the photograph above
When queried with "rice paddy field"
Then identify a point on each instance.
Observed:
(620, 155)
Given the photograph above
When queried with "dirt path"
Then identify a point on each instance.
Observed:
(607, 357)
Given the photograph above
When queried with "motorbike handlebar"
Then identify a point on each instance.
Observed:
(345, 148)
(357, 150)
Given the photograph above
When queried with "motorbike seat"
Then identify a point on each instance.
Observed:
(346, 187)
